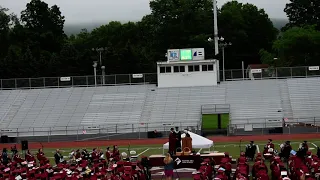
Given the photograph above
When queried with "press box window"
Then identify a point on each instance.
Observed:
(208, 67)
(193, 68)
(166, 69)
(178, 69)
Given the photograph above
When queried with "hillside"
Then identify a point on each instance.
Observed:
(76, 28)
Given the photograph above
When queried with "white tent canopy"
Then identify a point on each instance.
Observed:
(198, 141)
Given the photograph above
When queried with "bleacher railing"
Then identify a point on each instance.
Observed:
(148, 78)
(260, 126)
(215, 108)
(104, 131)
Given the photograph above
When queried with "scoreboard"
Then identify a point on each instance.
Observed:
(185, 54)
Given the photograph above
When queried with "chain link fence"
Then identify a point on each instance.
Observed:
(77, 81)
(148, 78)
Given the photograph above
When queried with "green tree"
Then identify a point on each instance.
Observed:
(249, 29)
(176, 23)
(4, 31)
(44, 25)
(298, 46)
(302, 12)
(267, 58)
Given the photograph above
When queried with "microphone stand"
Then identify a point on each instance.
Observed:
(240, 147)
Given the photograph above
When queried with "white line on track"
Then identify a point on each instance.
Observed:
(258, 149)
(143, 152)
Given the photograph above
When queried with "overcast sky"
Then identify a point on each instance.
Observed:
(86, 11)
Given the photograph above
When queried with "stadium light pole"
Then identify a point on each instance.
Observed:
(95, 64)
(216, 36)
(223, 45)
(215, 28)
(103, 68)
(100, 50)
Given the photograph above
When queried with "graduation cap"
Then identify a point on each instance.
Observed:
(252, 142)
(288, 142)
(270, 139)
(177, 127)
(305, 141)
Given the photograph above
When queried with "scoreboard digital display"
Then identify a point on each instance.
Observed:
(185, 54)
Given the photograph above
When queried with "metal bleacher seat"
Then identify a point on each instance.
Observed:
(121, 109)
(35, 112)
(305, 98)
(182, 106)
(254, 102)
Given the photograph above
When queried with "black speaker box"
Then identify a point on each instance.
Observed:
(4, 139)
(24, 145)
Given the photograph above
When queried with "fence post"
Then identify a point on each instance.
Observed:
(71, 81)
(129, 79)
(132, 127)
(87, 81)
(15, 83)
(30, 83)
(139, 132)
(49, 134)
(58, 82)
(115, 79)
(44, 82)
(107, 133)
(1, 84)
(231, 74)
(144, 78)
(306, 71)
(291, 72)
(66, 130)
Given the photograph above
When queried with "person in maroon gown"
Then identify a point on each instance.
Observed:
(172, 142)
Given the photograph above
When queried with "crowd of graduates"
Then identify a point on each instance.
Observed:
(285, 165)
(80, 164)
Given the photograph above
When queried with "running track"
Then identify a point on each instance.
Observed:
(216, 139)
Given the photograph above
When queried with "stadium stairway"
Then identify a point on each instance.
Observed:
(285, 99)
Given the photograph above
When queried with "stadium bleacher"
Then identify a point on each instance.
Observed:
(305, 98)
(254, 101)
(146, 107)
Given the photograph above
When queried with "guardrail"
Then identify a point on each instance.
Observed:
(148, 78)
(273, 73)
(77, 81)
(109, 129)
(269, 125)
(215, 108)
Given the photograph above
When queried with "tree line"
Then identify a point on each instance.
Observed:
(35, 45)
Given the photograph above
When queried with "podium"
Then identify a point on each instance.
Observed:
(186, 143)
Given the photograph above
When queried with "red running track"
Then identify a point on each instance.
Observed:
(216, 139)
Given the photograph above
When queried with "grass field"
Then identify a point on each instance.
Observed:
(233, 148)
(210, 121)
